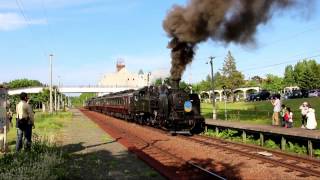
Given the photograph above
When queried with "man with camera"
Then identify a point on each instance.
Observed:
(276, 109)
(24, 123)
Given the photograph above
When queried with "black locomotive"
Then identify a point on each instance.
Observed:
(169, 108)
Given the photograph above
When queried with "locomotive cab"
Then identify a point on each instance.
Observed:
(145, 104)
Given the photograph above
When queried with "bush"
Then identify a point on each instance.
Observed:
(41, 162)
(296, 148)
(271, 144)
(227, 133)
(317, 152)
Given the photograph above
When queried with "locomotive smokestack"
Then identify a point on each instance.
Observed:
(175, 83)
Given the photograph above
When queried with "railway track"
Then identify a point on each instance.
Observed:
(180, 168)
(307, 166)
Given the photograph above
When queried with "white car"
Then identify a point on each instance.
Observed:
(313, 93)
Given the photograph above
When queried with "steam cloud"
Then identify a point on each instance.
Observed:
(221, 20)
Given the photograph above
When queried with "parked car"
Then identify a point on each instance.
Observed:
(313, 93)
(262, 95)
(251, 97)
(297, 94)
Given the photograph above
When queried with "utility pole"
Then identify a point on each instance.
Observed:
(51, 107)
(55, 99)
(214, 115)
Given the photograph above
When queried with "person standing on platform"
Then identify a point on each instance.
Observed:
(304, 110)
(288, 117)
(282, 113)
(276, 109)
(311, 119)
(24, 123)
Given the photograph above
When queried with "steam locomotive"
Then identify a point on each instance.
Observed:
(172, 108)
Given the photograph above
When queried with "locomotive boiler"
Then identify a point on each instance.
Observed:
(169, 108)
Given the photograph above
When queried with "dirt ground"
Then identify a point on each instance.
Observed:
(93, 154)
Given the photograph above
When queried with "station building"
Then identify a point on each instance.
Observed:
(123, 78)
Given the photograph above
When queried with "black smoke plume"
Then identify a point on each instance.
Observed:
(221, 20)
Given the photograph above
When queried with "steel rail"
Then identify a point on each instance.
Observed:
(147, 144)
(279, 153)
(304, 170)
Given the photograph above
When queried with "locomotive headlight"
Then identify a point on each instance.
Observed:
(187, 106)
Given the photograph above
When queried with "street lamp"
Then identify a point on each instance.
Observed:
(214, 115)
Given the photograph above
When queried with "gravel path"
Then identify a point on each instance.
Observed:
(93, 154)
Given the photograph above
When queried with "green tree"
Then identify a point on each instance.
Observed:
(20, 83)
(158, 82)
(257, 79)
(273, 83)
(35, 99)
(231, 77)
(306, 74)
(288, 79)
(78, 101)
(251, 83)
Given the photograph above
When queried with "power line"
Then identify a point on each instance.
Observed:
(45, 12)
(21, 9)
(293, 56)
(290, 37)
(277, 64)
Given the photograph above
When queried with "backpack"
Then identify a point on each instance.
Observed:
(286, 117)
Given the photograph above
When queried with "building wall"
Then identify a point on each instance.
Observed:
(123, 78)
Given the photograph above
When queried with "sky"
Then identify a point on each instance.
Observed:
(87, 37)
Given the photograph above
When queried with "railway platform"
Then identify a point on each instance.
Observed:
(94, 154)
(310, 137)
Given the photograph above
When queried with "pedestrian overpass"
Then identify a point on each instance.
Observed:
(73, 89)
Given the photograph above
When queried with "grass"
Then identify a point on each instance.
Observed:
(259, 112)
(42, 162)
(44, 159)
(46, 125)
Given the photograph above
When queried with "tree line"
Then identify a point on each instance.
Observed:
(305, 74)
(36, 100)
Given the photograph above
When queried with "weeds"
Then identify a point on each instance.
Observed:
(41, 162)
(296, 148)
(234, 135)
(271, 144)
(317, 152)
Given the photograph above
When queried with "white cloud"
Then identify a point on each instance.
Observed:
(49, 4)
(12, 21)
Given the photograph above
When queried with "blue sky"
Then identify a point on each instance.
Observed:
(88, 36)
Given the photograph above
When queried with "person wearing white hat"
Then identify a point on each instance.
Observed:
(304, 110)
(311, 119)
